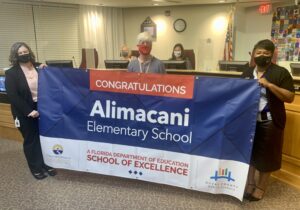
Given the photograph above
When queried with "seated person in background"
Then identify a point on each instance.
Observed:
(178, 55)
(125, 53)
(145, 63)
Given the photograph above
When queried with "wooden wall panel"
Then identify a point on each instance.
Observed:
(290, 171)
(7, 126)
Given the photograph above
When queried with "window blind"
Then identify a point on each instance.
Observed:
(15, 25)
(57, 33)
(52, 31)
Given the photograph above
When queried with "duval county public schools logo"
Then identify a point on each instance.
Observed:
(222, 174)
(57, 149)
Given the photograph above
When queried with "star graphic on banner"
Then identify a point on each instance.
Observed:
(136, 172)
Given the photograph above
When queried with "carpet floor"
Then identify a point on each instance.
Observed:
(86, 191)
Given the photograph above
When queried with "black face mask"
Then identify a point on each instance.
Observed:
(24, 58)
(262, 60)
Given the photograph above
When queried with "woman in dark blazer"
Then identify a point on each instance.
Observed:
(21, 86)
(276, 85)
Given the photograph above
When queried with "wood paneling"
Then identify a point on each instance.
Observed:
(10, 133)
(290, 171)
(291, 144)
(7, 126)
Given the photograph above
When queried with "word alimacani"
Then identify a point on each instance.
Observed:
(152, 116)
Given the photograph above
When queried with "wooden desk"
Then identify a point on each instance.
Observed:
(207, 73)
(7, 126)
(290, 171)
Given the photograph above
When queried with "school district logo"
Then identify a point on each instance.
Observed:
(222, 174)
(57, 149)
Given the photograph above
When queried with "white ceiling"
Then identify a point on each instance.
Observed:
(146, 3)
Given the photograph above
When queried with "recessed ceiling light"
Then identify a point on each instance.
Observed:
(222, 1)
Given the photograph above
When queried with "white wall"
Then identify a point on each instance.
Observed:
(202, 34)
(250, 28)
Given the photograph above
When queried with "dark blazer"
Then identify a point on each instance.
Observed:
(18, 92)
(283, 79)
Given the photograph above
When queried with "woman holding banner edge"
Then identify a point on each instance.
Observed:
(21, 82)
(276, 89)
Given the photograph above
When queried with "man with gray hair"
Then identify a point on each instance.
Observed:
(146, 63)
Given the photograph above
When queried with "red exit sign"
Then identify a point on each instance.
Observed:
(264, 9)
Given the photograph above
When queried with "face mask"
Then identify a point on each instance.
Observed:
(144, 49)
(177, 54)
(262, 60)
(124, 53)
(24, 58)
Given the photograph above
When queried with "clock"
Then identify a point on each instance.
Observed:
(179, 25)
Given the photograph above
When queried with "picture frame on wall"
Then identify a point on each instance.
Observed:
(150, 26)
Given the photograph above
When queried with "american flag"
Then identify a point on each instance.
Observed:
(228, 55)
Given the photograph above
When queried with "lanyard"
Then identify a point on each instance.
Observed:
(141, 70)
(255, 74)
(263, 102)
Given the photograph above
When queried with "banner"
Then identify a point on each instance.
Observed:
(185, 131)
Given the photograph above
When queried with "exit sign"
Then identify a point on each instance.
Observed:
(264, 9)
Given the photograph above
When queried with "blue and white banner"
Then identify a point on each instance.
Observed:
(185, 131)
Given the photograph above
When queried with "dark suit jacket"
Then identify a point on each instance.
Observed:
(18, 92)
(283, 79)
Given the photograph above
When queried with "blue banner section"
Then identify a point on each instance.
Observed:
(219, 122)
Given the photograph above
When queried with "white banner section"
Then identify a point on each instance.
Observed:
(171, 168)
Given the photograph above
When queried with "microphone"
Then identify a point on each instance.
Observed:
(74, 61)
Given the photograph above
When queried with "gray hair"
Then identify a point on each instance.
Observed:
(144, 37)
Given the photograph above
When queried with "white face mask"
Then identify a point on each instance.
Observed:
(177, 54)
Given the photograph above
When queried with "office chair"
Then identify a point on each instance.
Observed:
(191, 56)
(89, 58)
